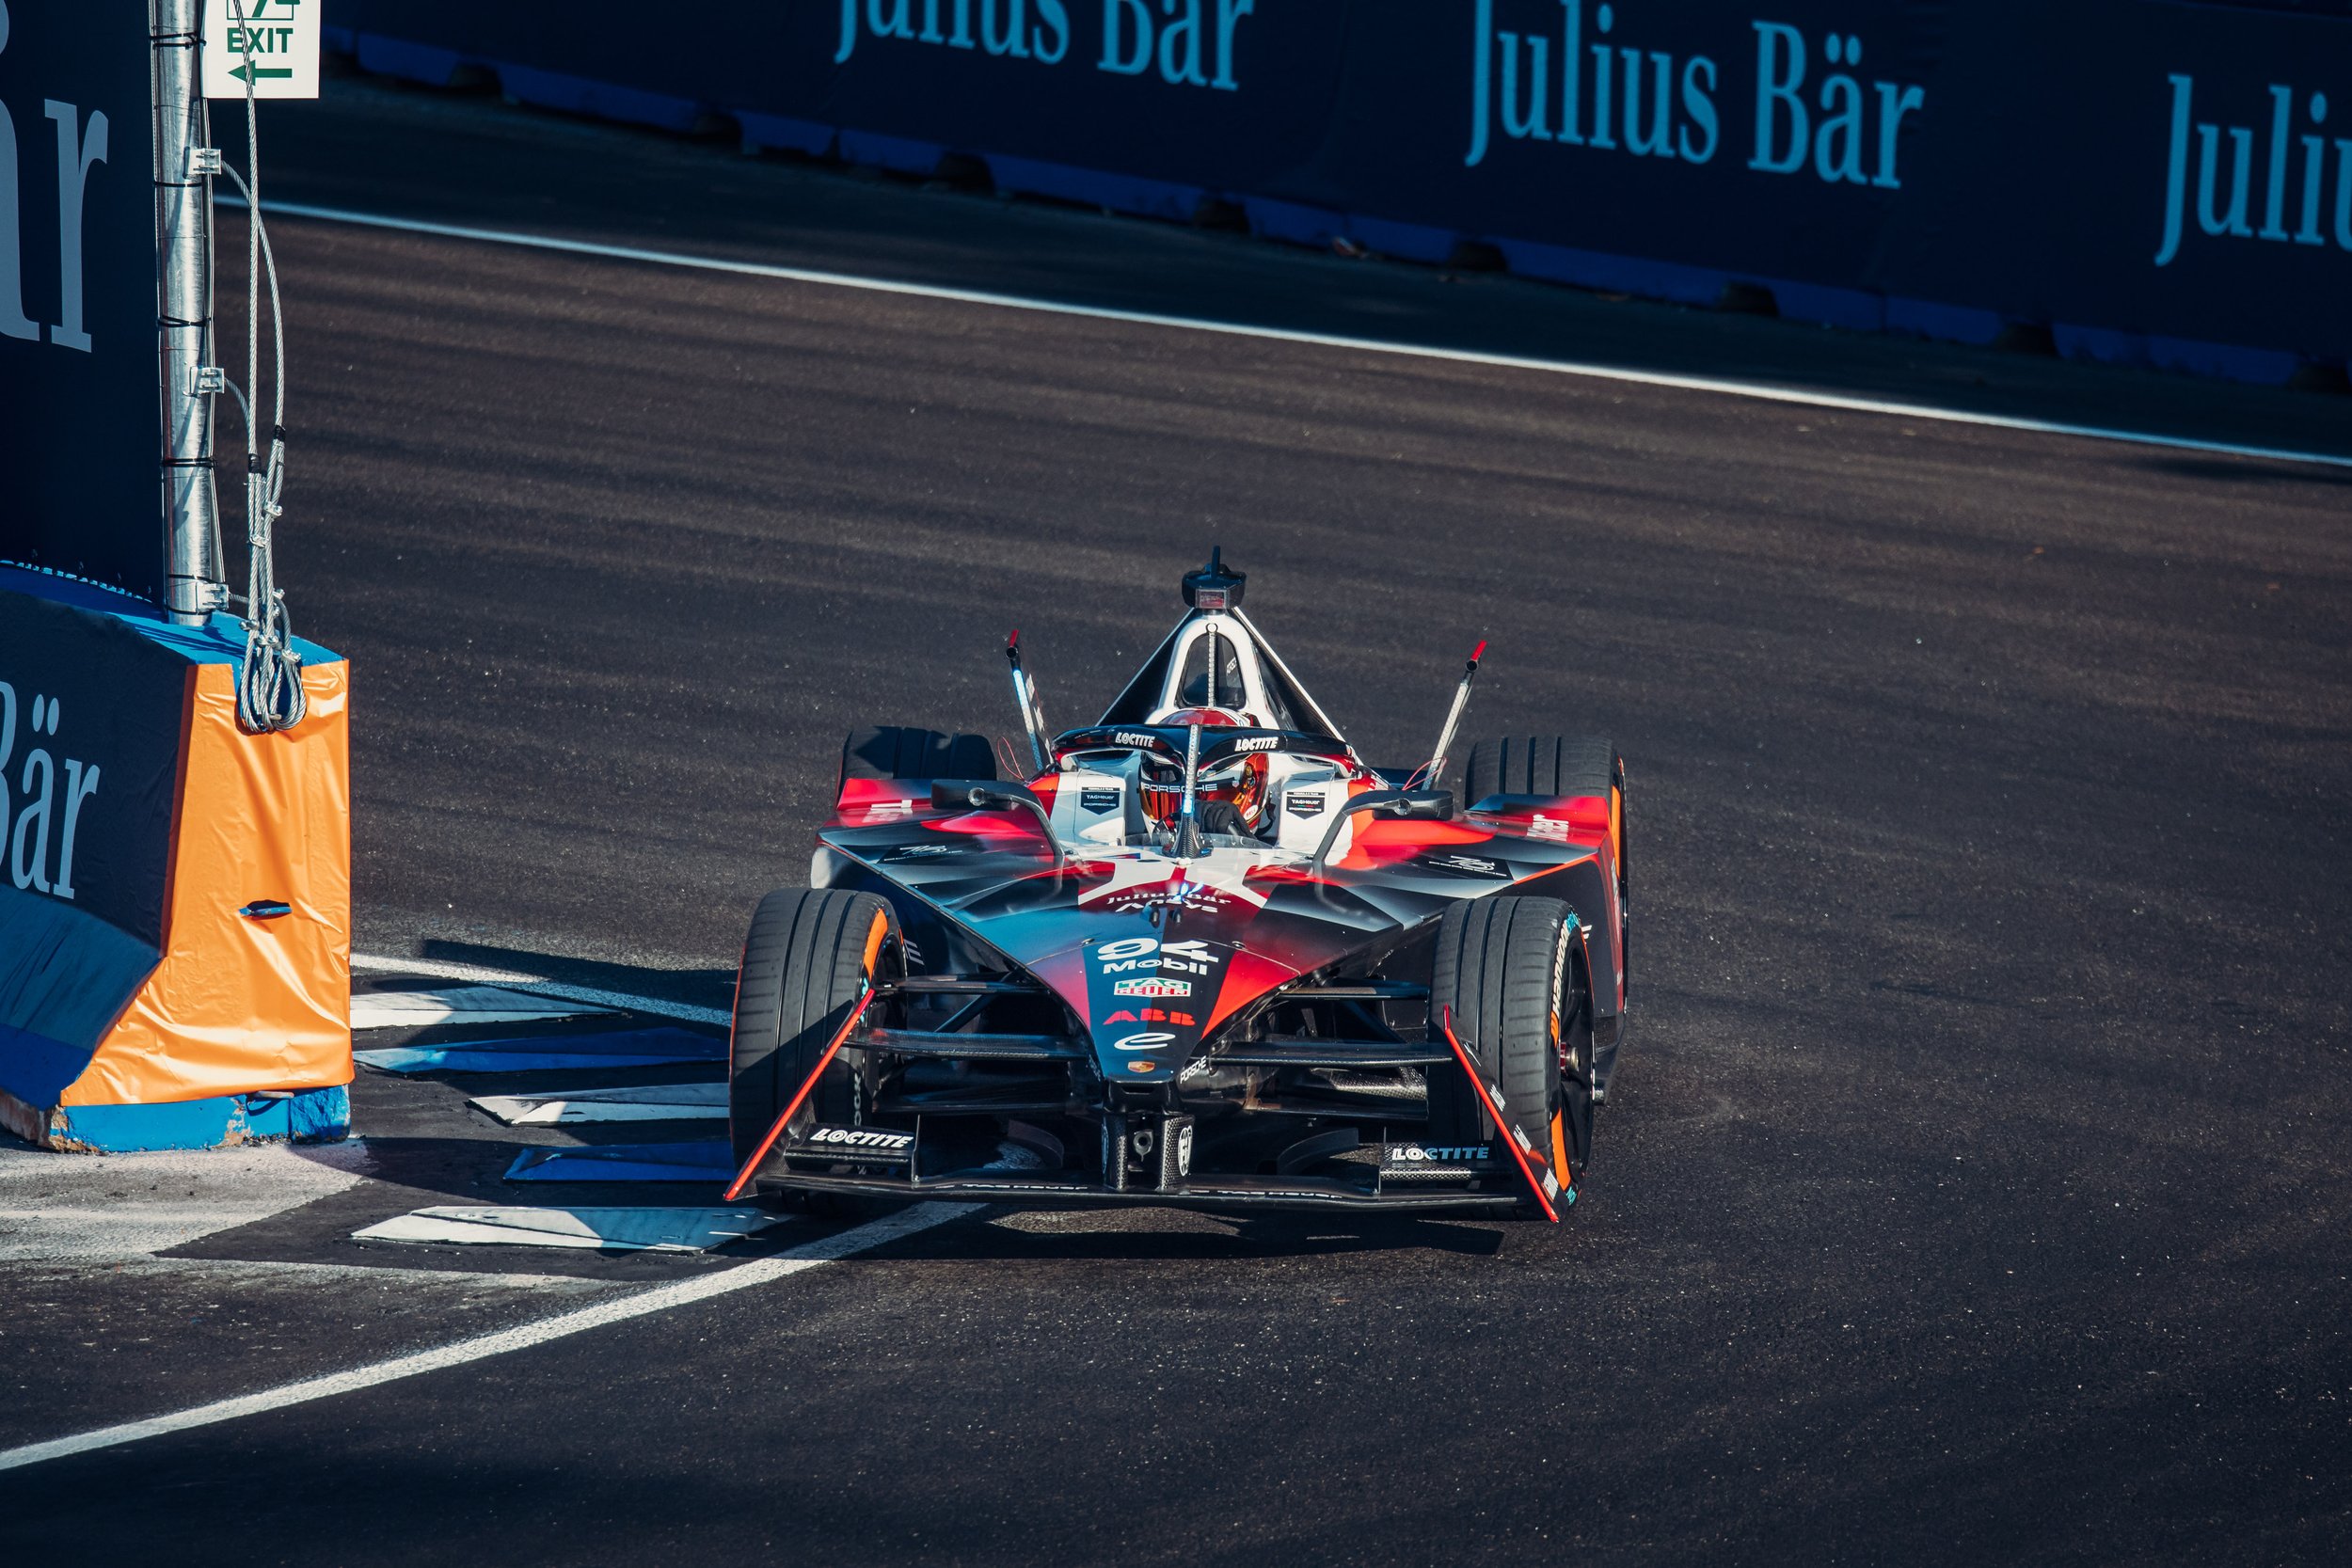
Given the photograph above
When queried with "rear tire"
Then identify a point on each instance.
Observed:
(895, 751)
(1550, 764)
(808, 951)
(1562, 766)
(1511, 970)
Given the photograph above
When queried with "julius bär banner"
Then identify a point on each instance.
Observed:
(81, 435)
(90, 762)
(2148, 175)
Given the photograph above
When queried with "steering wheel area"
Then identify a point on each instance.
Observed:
(1241, 771)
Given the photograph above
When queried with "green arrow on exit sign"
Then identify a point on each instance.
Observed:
(250, 73)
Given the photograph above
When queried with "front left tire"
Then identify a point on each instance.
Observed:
(1512, 972)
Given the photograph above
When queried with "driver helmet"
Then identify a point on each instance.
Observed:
(1239, 782)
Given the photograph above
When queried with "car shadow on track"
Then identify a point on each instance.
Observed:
(1146, 1235)
(400, 1175)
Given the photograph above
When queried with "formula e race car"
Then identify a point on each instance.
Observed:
(1199, 954)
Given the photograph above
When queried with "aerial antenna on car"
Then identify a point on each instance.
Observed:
(1427, 777)
(1214, 589)
(1211, 587)
(1025, 694)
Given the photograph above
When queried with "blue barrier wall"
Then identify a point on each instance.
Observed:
(151, 994)
(93, 772)
(2156, 180)
(91, 687)
(128, 808)
(81, 427)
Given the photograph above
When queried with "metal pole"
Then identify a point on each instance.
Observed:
(183, 236)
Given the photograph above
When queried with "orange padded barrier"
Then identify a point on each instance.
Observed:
(243, 1003)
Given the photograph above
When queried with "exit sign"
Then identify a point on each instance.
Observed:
(272, 44)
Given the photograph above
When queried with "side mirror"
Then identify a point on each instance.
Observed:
(966, 795)
(1395, 804)
(1422, 805)
(977, 795)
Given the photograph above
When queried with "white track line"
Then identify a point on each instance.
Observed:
(661, 1299)
(1759, 389)
(371, 963)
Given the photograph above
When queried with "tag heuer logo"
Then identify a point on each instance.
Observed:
(1154, 987)
(1303, 804)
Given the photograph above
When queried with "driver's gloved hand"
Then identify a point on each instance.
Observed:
(1220, 816)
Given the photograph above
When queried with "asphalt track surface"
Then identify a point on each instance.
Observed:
(1975, 1188)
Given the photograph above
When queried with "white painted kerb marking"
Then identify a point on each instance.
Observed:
(370, 963)
(415, 1009)
(1764, 391)
(921, 1217)
(585, 1228)
(648, 1103)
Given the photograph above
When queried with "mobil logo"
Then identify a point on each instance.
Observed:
(1150, 955)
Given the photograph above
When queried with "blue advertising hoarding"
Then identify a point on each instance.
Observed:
(2166, 181)
(91, 687)
(81, 436)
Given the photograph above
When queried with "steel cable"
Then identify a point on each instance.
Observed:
(269, 688)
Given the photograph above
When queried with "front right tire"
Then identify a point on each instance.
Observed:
(808, 952)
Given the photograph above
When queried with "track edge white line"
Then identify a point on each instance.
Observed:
(481, 974)
(1762, 392)
(522, 1336)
